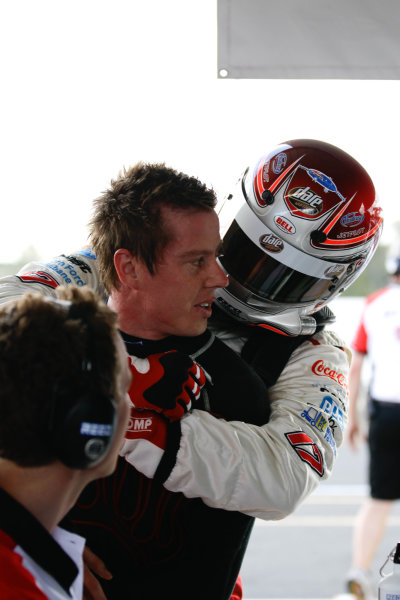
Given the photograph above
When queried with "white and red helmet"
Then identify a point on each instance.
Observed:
(300, 228)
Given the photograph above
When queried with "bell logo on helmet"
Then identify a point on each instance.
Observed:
(305, 200)
(271, 243)
(285, 225)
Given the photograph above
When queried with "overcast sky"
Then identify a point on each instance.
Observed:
(90, 86)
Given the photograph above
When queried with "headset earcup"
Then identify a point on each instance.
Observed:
(82, 429)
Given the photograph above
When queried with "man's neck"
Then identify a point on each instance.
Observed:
(46, 492)
(132, 321)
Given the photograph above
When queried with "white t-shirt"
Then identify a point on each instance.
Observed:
(378, 335)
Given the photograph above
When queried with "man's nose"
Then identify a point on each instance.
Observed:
(218, 277)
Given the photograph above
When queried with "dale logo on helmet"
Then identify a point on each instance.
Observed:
(299, 228)
(304, 201)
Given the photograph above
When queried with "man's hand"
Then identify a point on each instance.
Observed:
(354, 433)
(92, 589)
(167, 383)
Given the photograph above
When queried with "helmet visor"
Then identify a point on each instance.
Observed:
(265, 276)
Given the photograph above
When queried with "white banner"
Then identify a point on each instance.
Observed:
(309, 39)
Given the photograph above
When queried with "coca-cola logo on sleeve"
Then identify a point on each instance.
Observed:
(322, 369)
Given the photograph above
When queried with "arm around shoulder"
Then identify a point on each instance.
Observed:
(267, 471)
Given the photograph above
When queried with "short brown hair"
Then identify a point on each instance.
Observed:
(129, 214)
(43, 341)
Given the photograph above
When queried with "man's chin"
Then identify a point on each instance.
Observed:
(194, 329)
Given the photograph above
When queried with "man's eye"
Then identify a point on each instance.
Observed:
(198, 261)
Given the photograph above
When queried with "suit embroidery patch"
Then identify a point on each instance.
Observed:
(307, 450)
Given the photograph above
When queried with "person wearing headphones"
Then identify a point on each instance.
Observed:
(64, 410)
(264, 428)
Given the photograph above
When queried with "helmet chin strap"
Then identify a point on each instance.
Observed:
(294, 325)
(287, 322)
(307, 324)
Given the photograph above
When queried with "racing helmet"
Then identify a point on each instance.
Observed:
(299, 228)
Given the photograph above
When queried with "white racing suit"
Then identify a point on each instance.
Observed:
(244, 464)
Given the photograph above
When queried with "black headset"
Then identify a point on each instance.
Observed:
(81, 424)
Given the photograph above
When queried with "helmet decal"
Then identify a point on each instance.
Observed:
(309, 199)
(271, 243)
(285, 224)
(352, 220)
(325, 181)
(338, 233)
(279, 163)
(261, 178)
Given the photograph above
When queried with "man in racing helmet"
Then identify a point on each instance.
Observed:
(300, 227)
(246, 466)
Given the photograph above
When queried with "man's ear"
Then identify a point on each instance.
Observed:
(126, 266)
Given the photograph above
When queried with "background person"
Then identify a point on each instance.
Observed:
(158, 249)
(378, 338)
(63, 413)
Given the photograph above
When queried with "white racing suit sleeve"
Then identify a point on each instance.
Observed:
(43, 277)
(267, 471)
